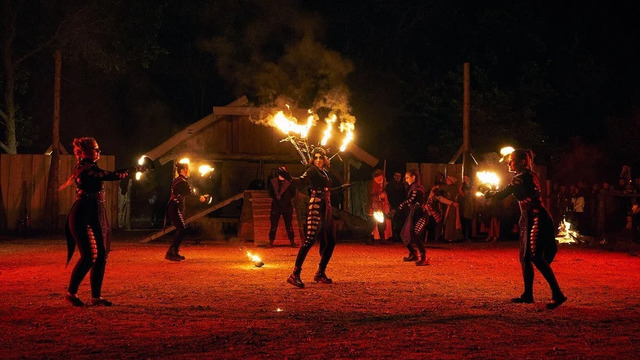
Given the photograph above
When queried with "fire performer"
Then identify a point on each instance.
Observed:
(379, 203)
(319, 223)
(281, 191)
(180, 189)
(413, 230)
(537, 243)
(87, 226)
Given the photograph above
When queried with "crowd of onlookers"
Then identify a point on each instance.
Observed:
(597, 210)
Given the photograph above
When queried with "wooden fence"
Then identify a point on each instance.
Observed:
(23, 190)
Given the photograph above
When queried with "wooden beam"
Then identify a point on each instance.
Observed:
(257, 112)
(189, 131)
(193, 217)
(286, 159)
(362, 155)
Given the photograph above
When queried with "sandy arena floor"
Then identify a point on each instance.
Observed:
(216, 304)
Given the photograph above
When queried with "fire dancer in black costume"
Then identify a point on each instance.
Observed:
(180, 189)
(414, 228)
(281, 191)
(537, 241)
(319, 222)
(87, 226)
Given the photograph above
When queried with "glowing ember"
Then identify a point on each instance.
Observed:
(327, 132)
(565, 234)
(347, 128)
(505, 151)
(257, 262)
(205, 169)
(278, 310)
(379, 216)
(287, 125)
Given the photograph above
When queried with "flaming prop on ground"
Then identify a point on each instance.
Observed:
(257, 262)
(297, 134)
(488, 181)
(565, 234)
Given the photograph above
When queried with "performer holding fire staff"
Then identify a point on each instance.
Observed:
(87, 226)
(180, 189)
(537, 242)
(414, 228)
(319, 223)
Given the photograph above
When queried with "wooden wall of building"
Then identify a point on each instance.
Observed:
(23, 188)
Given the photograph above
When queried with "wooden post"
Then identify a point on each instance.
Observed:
(52, 202)
(465, 119)
(347, 179)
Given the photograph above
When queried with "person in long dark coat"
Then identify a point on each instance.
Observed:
(537, 241)
(87, 227)
(282, 191)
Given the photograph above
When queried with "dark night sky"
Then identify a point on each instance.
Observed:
(551, 77)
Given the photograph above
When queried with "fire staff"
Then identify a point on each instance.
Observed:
(537, 242)
(319, 223)
(87, 227)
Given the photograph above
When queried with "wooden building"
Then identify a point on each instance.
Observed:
(241, 150)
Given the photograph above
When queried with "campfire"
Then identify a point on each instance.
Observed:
(565, 234)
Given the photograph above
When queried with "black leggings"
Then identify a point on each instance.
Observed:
(92, 257)
(545, 269)
(177, 219)
(327, 244)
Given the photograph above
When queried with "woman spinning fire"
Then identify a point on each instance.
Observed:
(537, 243)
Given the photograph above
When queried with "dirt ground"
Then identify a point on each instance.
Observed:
(217, 305)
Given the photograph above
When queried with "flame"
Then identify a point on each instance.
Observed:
(253, 257)
(184, 161)
(290, 125)
(565, 234)
(478, 193)
(327, 132)
(347, 128)
(141, 160)
(506, 151)
(138, 175)
(489, 178)
(205, 169)
(379, 216)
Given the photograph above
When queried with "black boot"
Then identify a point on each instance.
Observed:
(523, 299)
(294, 278)
(293, 243)
(321, 277)
(423, 260)
(556, 301)
(172, 255)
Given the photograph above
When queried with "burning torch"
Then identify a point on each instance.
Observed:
(144, 163)
(489, 181)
